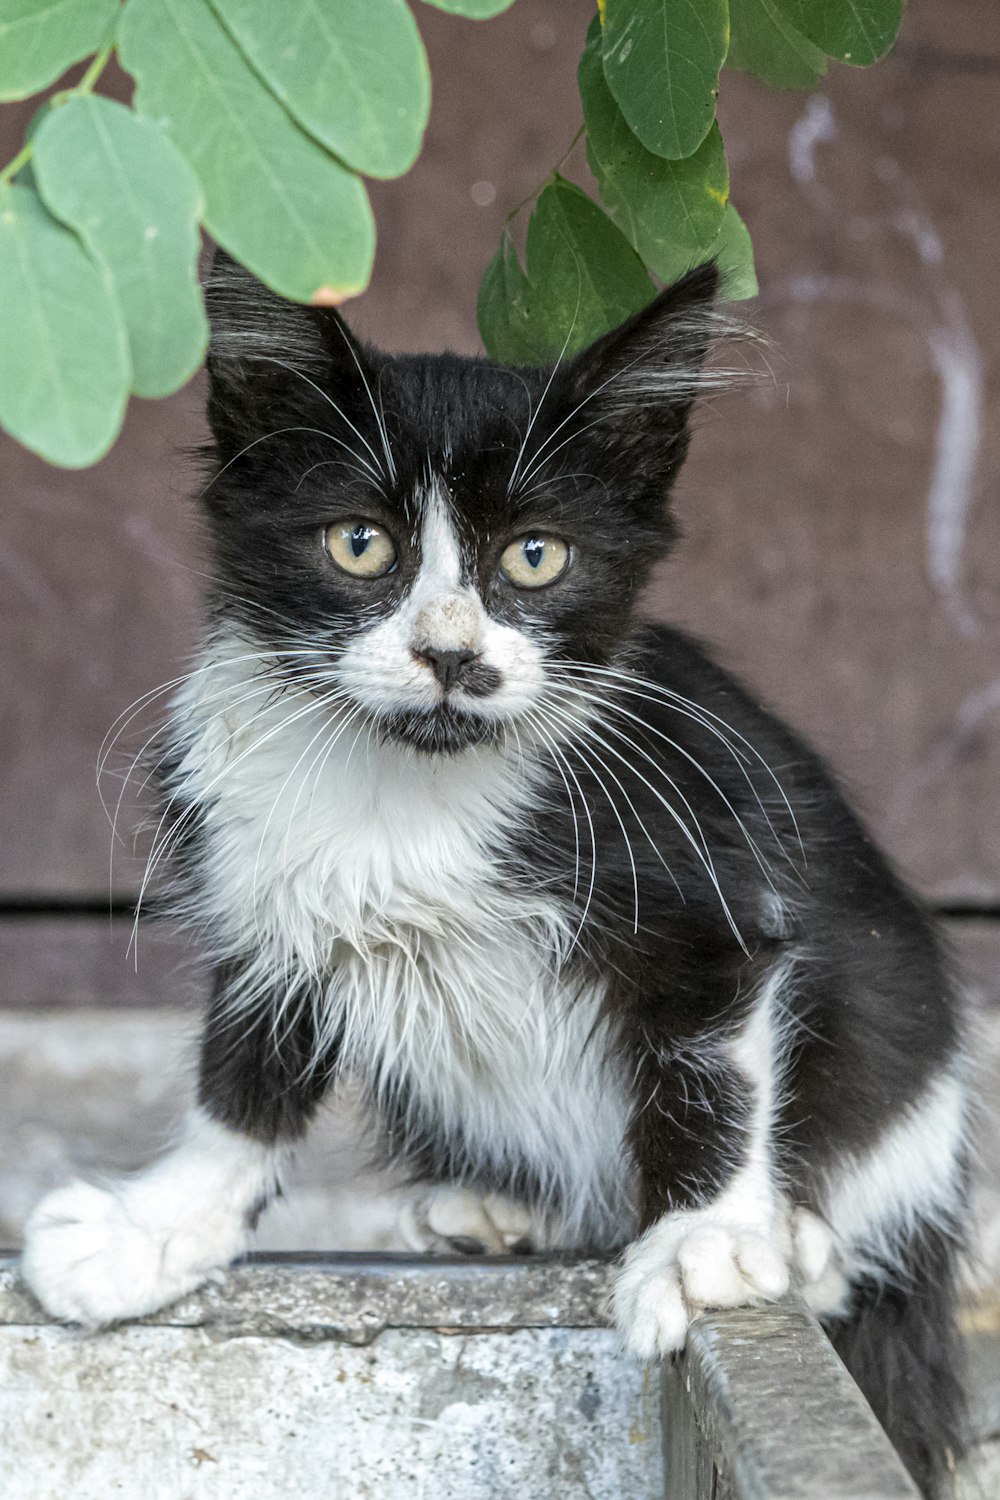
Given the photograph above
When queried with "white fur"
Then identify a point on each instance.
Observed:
(435, 1218)
(872, 1202)
(736, 1248)
(96, 1254)
(379, 876)
(377, 880)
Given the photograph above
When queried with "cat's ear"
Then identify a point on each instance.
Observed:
(270, 360)
(631, 391)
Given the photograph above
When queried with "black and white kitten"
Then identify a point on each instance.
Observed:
(615, 964)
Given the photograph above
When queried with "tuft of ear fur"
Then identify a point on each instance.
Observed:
(271, 360)
(657, 356)
(629, 394)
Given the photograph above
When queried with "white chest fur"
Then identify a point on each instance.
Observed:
(383, 876)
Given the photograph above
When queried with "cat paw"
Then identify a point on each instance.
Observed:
(92, 1256)
(822, 1281)
(680, 1267)
(458, 1219)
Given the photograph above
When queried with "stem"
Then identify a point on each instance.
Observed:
(93, 73)
(86, 86)
(14, 166)
(535, 191)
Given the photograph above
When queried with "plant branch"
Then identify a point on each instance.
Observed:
(86, 85)
(535, 191)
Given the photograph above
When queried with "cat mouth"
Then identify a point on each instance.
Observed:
(441, 730)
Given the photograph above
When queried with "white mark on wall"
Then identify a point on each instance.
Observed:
(815, 126)
(973, 711)
(937, 314)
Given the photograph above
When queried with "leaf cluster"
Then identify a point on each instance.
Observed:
(257, 120)
(649, 83)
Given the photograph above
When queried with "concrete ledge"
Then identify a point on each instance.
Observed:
(761, 1408)
(399, 1376)
(355, 1297)
(343, 1378)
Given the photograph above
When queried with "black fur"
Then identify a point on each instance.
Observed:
(901, 1346)
(872, 1013)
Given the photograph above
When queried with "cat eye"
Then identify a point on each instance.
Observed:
(534, 560)
(360, 548)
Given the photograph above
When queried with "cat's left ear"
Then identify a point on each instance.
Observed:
(632, 389)
(270, 360)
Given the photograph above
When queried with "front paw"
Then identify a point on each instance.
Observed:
(680, 1267)
(94, 1256)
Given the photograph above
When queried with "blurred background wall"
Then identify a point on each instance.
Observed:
(842, 527)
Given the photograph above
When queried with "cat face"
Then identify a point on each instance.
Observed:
(428, 537)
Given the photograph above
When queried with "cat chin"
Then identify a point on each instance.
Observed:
(438, 731)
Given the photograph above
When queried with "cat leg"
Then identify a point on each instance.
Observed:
(717, 1227)
(97, 1253)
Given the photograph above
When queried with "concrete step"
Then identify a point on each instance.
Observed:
(275, 1385)
(398, 1377)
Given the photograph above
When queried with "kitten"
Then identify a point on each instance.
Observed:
(614, 963)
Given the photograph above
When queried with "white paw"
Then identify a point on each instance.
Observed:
(455, 1218)
(683, 1265)
(95, 1255)
(823, 1284)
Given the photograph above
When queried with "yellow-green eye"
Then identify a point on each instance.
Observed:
(534, 560)
(360, 547)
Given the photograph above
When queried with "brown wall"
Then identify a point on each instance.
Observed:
(843, 532)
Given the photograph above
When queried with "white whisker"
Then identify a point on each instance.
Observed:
(271, 359)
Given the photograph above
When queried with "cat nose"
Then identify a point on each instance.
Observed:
(447, 665)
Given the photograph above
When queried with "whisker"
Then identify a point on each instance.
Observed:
(644, 687)
(377, 413)
(572, 807)
(272, 359)
(765, 865)
(279, 432)
(533, 415)
(618, 817)
(700, 850)
(267, 687)
(329, 463)
(162, 843)
(557, 755)
(633, 809)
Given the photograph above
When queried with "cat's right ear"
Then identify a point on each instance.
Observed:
(270, 361)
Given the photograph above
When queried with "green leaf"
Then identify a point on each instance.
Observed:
(581, 278)
(131, 197)
(766, 43)
(733, 253)
(670, 211)
(64, 370)
(854, 31)
(40, 39)
(273, 197)
(662, 61)
(352, 72)
(506, 312)
(476, 10)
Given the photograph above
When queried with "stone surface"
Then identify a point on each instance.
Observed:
(781, 1415)
(176, 1414)
(355, 1298)
(481, 1378)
